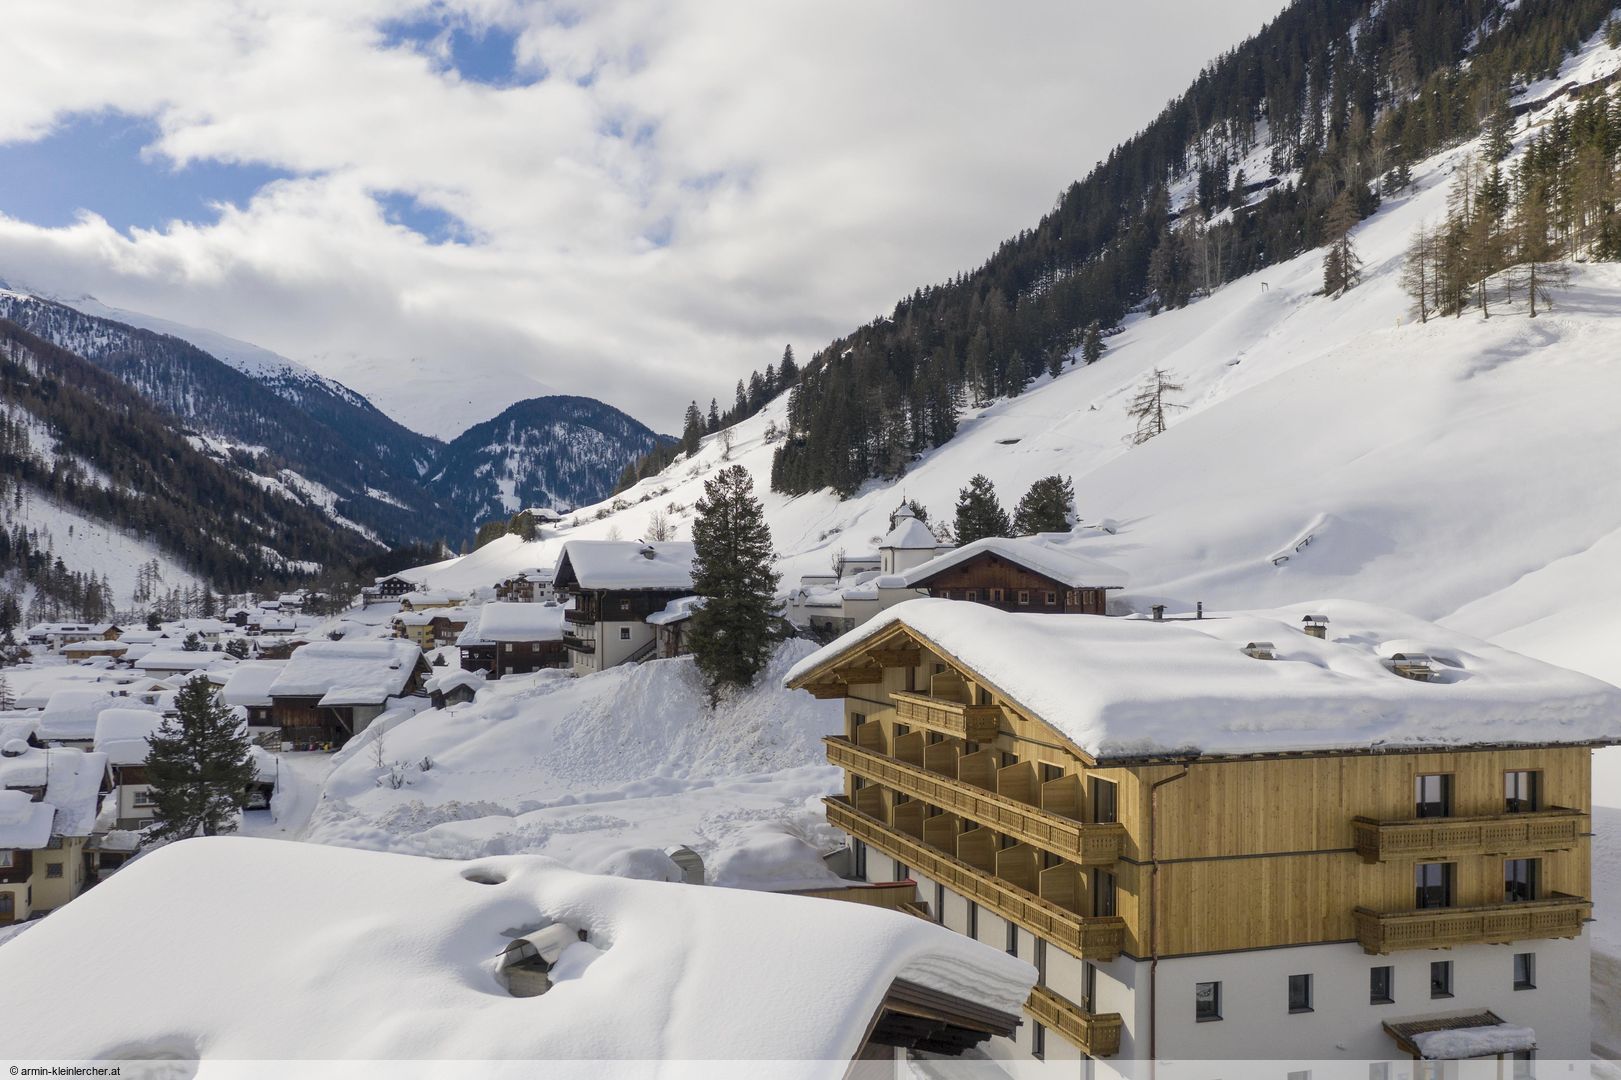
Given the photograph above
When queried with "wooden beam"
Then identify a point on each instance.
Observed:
(904, 656)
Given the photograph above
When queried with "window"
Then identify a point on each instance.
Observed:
(1103, 893)
(8, 906)
(509, 646)
(8, 859)
(939, 903)
(1089, 985)
(973, 919)
(1300, 993)
(624, 633)
(1041, 962)
(1024, 597)
(1525, 971)
(997, 595)
(901, 872)
(1441, 979)
(1052, 598)
(624, 605)
(1520, 879)
(53, 870)
(1049, 773)
(1521, 793)
(973, 594)
(143, 797)
(1038, 1042)
(1433, 794)
(1103, 800)
(1381, 985)
(1012, 940)
(858, 859)
(1432, 885)
(1207, 1002)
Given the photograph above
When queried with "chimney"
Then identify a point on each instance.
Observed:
(1198, 610)
(1315, 626)
(648, 552)
(1159, 612)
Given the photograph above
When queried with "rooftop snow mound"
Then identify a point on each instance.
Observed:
(71, 779)
(626, 564)
(1121, 688)
(320, 667)
(1061, 563)
(122, 734)
(403, 966)
(249, 682)
(497, 622)
(910, 534)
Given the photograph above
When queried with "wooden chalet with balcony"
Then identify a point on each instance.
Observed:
(513, 638)
(1178, 829)
(1024, 574)
(615, 585)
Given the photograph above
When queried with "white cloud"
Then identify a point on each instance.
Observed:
(806, 164)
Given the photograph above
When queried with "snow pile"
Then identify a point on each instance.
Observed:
(401, 964)
(581, 769)
(25, 825)
(1125, 687)
(770, 858)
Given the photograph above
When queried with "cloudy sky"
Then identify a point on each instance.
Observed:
(454, 205)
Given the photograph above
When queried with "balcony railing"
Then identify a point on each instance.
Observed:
(894, 895)
(1094, 1034)
(1089, 937)
(1557, 916)
(580, 618)
(976, 723)
(1089, 844)
(578, 643)
(1554, 829)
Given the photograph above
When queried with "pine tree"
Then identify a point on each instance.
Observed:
(712, 422)
(1092, 345)
(1499, 138)
(1342, 267)
(788, 370)
(237, 647)
(199, 763)
(979, 514)
(1149, 407)
(1046, 507)
(192, 643)
(692, 429)
(734, 632)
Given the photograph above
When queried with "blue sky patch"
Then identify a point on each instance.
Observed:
(92, 161)
(479, 54)
(431, 223)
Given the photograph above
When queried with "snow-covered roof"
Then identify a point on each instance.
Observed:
(95, 645)
(25, 825)
(1061, 564)
(496, 622)
(676, 610)
(141, 637)
(181, 660)
(379, 668)
(452, 678)
(432, 598)
(71, 714)
(248, 684)
(18, 724)
(626, 564)
(71, 779)
(122, 734)
(667, 971)
(909, 534)
(1121, 688)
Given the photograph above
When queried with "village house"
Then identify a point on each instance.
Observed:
(121, 737)
(1024, 574)
(94, 649)
(330, 690)
(247, 687)
(69, 716)
(511, 639)
(453, 686)
(177, 663)
(434, 628)
(48, 803)
(386, 588)
(616, 585)
(55, 635)
(426, 599)
(1221, 838)
(527, 587)
(861, 586)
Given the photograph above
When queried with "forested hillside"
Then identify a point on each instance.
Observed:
(73, 436)
(1332, 101)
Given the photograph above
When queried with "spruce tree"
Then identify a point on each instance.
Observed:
(1092, 345)
(237, 647)
(1046, 507)
(734, 633)
(199, 763)
(979, 514)
(788, 371)
(692, 429)
(712, 422)
(1499, 131)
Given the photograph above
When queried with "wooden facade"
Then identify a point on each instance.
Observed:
(1159, 859)
(993, 580)
(502, 658)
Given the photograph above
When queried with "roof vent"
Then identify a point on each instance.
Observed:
(14, 748)
(648, 552)
(1417, 666)
(1261, 650)
(1159, 612)
(1315, 626)
(526, 965)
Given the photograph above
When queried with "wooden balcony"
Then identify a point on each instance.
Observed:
(1094, 1034)
(1555, 829)
(578, 643)
(976, 723)
(1557, 916)
(1081, 842)
(1087, 937)
(893, 895)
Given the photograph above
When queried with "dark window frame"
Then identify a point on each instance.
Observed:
(1525, 971)
(1438, 804)
(1301, 997)
(1382, 985)
(1440, 979)
(1206, 1012)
